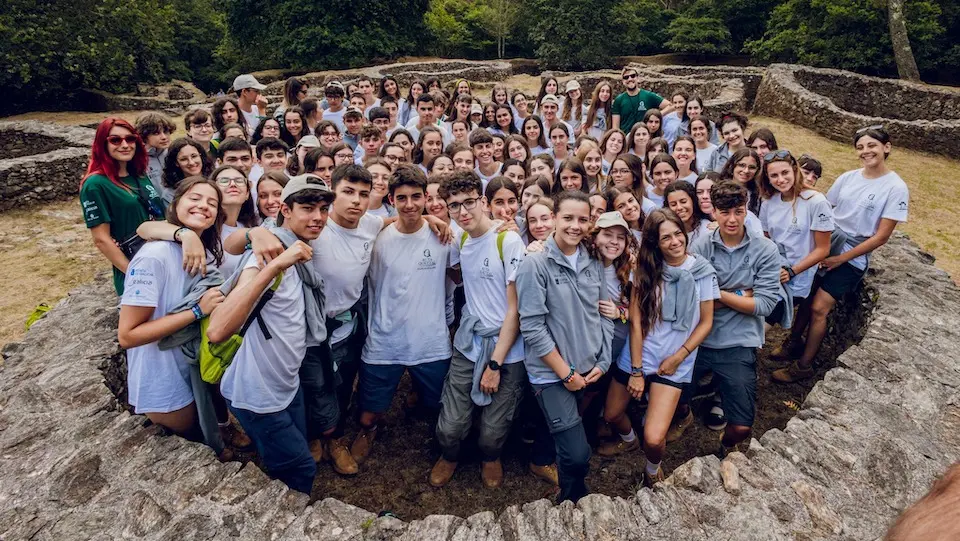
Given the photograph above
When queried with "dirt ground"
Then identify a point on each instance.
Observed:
(394, 478)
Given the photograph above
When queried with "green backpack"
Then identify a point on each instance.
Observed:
(500, 237)
(214, 358)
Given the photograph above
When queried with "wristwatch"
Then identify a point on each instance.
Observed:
(494, 365)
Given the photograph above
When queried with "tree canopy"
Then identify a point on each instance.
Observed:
(50, 49)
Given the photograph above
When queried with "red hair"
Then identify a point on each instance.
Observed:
(100, 161)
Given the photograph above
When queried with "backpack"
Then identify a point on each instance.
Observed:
(215, 358)
(500, 237)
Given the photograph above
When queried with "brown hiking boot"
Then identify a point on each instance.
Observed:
(618, 447)
(442, 472)
(546, 473)
(360, 449)
(492, 474)
(677, 428)
(786, 350)
(339, 456)
(317, 451)
(650, 480)
(235, 437)
(791, 374)
(723, 451)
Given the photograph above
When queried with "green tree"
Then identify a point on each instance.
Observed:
(641, 26)
(700, 35)
(499, 20)
(574, 34)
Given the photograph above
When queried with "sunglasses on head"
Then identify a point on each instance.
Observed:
(116, 140)
(868, 128)
(781, 154)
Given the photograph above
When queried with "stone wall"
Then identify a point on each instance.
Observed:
(836, 103)
(41, 162)
(867, 442)
(172, 98)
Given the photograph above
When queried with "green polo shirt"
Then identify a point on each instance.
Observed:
(632, 108)
(104, 202)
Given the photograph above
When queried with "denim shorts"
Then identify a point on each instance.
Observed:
(378, 383)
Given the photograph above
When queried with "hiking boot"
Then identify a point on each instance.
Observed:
(492, 473)
(650, 480)
(339, 456)
(442, 472)
(715, 419)
(618, 447)
(226, 455)
(791, 374)
(235, 437)
(677, 428)
(786, 350)
(546, 473)
(317, 451)
(723, 451)
(360, 449)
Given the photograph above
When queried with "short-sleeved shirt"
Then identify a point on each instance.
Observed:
(860, 203)
(158, 381)
(663, 340)
(408, 323)
(485, 281)
(632, 108)
(792, 225)
(106, 203)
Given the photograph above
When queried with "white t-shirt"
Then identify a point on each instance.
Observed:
(252, 118)
(451, 286)
(791, 225)
(366, 111)
(230, 261)
(342, 257)
(407, 298)
(485, 280)
(671, 125)
(255, 173)
(648, 206)
(703, 156)
(485, 179)
(663, 340)
(383, 211)
(691, 178)
(859, 204)
(336, 117)
(158, 381)
(657, 199)
(415, 132)
(264, 375)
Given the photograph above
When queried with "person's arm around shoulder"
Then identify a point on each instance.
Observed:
(264, 244)
(194, 254)
(232, 314)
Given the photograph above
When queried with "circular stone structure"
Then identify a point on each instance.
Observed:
(41, 162)
(836, 103)
(867, 441)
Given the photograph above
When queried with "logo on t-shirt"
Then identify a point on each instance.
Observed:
(902, 205)
(427, 262)
(868, 203)
(823, 217)
(426, 252)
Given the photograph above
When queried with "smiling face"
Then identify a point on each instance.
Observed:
(680, 203)
(520, 102)
(294, 123)
(694, 108)
(598, 205)
(733, 134)
(268, 198)
(189, 161)
(483, 153)
(570, 180)
(611, 242)
(540, 221)
(432, 146)
(436, 206)
(539, 167)
(745, 170)
(551, 86)
(381, 179)
(621, 174)
(605, 93)
(504, 205)
(532, 132)
(271, 128)
(118, 146)
(409, 202)
(684, 153)
(593, 162)
(329, 136)
(463, 160)
(663, 175)
(871, 152)
(405, 143)
(441, 165)
(498, 149)
(197, 209)
(615, 144)
(703, 196)
(306, 220)
(390, 87)
(516, 151)
(679, 102)
(781, 177)
(233, 184)
(503, 119)
(549, 111)
(698, 130)
(516, 174)
(572, 223)
(202, 132)
(626, 203)
(673, 242)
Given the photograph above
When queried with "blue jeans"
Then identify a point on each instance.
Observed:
(281, 440)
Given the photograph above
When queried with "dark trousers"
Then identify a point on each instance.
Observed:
(561, 411)
(346, 357)
(281, 440)
(319, 390)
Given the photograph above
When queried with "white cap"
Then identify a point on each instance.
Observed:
(247, 81)
(300, 183)
(476, 109)
(308, 141)
(550, 98)
(609, 219)
(572, 84)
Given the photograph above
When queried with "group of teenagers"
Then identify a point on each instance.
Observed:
(634, 256)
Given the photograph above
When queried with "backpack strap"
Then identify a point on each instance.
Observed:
(500, 236)
(463, 239)
(255, 314)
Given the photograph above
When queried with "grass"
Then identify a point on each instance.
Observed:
(46, 252)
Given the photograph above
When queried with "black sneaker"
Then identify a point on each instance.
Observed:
(714, 419)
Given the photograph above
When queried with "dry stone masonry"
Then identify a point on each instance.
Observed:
(867, 442)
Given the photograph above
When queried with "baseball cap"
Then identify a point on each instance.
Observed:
(334, 88)
(550, 98)
(308, 141)
(247, 81)
(300, 183)
(611, 219)
(476, 109)
(353, 111)
(572, 84)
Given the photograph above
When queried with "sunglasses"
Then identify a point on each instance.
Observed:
(116, 140)
(868, 128)
(781, 154)
(629, 76)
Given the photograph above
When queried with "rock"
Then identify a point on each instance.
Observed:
(79, 480)
(730, 476)
(701, 474)
(821, 515)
